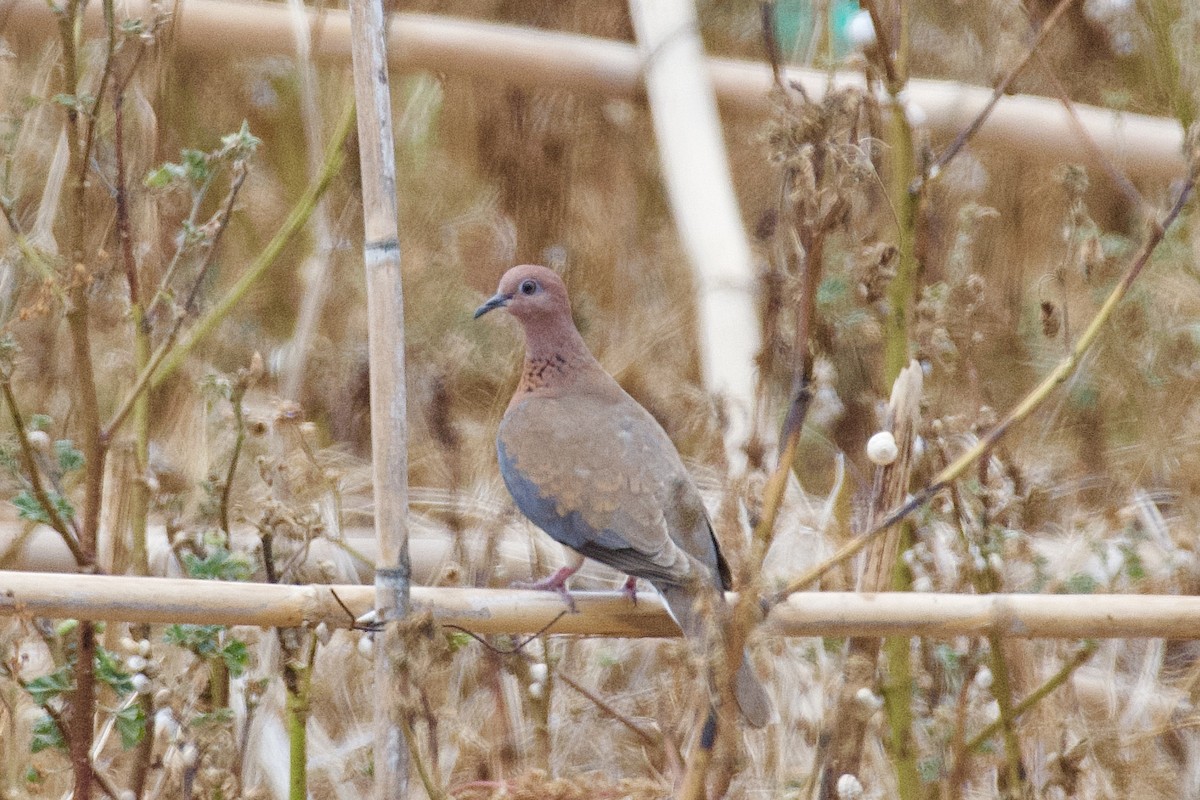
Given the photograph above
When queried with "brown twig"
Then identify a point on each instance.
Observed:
(29, 457)
(144, 379)
(1001, 88)
(1123, 184)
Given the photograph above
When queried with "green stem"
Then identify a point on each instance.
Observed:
(902, 291)
(295, 222)
(297, 680)
(1057, 680)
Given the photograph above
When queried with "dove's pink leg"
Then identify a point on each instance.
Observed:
(557, 582)
(630, 589)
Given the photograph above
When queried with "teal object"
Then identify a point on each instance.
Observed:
(795, 24)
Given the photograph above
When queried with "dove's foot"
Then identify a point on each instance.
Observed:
(630, 589)
(554, 583)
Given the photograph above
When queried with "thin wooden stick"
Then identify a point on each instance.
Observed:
(389, 427)
(1144, 146)
(522, 612)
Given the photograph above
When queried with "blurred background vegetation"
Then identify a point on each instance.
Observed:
(261, 469)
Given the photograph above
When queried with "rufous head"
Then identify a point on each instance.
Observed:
(531, 294)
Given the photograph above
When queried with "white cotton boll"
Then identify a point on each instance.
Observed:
(164, 721)
(39, 439)
(984, 678)
(860, 30)
(915, 115)
(849, 788)
(535, 689)
(135, 663)
(366, 646)
(538, 672)
(995, 562)
(190, 755)
(868, 699)
(141, 684)
(882, 449)
(922, 584)
(128, 645)
(143, 648)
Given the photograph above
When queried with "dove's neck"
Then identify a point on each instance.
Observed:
(555, 357)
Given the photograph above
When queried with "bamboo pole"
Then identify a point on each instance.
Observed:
(389, 424)
(1039, 127)
(705, 209)
(515, 611)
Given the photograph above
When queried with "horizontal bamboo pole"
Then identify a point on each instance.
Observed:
(1142, 146)
(489, 611)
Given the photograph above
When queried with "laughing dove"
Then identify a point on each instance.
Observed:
(595, 471)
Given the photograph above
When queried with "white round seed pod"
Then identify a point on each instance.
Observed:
(849, 788)
(882, 449)
(860, 30)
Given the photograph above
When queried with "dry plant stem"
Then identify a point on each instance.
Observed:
(29, 458)
(432, 790)
(83, 697)
(658, 742)
(889, 572)
(1119, 179)
(239, 423)
(105, 785)
(1065, 368)
(1080, 658)
(140, 491)
(389, 430)
(297, 219)
(1161, 22)
(1001, 88)
(903, 288)
(1002, 692)
(1002, 689)
(167, 347)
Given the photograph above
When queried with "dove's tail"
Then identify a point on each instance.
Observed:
(691, 609)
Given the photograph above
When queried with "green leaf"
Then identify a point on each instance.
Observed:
(216, 718)
(70, 458)
(203, 640)
(457, 640)
(29, 508)
(161, 176)
(79, 103)
(48, 687)
(196, 166)
(41, 422)
(131, 724)
(110, 671)
(241, 144)
(1080, 583)
(218, 565)
(46, 735)
(236, 657)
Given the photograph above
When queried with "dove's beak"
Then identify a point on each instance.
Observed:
(494, 302)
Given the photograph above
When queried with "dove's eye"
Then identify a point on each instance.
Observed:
(529, 287)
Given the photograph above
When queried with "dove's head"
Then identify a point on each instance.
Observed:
(532, 294)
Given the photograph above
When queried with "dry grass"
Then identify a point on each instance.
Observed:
(1096, 493)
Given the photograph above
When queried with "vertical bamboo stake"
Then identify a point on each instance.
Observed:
(389, 434)
(696, 172)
